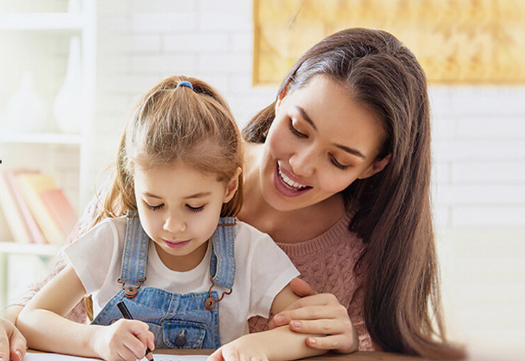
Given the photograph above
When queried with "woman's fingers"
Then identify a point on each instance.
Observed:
(302, 288)
(319, 327)
(309, 308)
(341, 343)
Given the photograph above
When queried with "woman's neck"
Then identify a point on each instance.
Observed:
(284, 226)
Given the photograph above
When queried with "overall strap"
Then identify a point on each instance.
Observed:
(134, 255)
(222, 262)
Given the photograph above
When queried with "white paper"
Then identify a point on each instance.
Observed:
(33, 356)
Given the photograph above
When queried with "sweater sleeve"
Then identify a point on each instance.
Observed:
(357, 316)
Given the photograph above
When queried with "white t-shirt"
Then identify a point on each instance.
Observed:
(262, 271)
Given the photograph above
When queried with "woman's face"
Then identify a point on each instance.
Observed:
(319, 143)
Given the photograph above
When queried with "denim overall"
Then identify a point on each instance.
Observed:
(188, 320)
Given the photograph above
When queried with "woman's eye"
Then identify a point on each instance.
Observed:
(296, 132)
(195, 209)
(154, 208)
(337, 164)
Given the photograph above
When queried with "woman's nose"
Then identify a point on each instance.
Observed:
(174, 224)
(303, 163)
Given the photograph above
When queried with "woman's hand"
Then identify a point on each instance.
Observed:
(124, 340)
(12, 343)
(319, 314)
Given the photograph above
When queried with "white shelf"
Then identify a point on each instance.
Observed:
(42, 21)
(30, 248)
(40, 138)
(42, 26)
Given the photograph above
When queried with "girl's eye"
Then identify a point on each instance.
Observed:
(154, 208)
(296, 132)
(195, 209)
(337, 164)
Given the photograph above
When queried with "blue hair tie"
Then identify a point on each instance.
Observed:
(186, 84)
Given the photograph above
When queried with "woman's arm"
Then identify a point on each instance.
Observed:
(277, 344)
(42, 323)
(319, 314)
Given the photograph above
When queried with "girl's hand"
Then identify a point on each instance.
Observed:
(125, 340)
(319, 314)
(244, 348)
(12, 343)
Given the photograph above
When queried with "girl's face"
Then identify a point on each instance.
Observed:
(318, 144)
(179, 208)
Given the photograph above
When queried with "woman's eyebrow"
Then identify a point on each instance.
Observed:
(307, 118)
(351, 151)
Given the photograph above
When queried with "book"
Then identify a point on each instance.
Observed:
(12, 212)
(36, 233)
(32, 185)
(60, 209)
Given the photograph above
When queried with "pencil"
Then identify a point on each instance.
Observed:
(127, 315)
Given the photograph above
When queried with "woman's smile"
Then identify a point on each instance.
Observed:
(288, 184)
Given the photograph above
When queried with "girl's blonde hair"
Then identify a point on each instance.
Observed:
(172, 123)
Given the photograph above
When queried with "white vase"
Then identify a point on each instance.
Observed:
(27, 110)
(67, 106)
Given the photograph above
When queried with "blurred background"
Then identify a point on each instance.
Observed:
(70, 72)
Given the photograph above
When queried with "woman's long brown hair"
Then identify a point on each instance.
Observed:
(402, 299)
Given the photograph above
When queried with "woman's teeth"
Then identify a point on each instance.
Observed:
(290, 183)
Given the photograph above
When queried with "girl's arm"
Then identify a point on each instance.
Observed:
(277, 344)
(43, 324)
(12, 343)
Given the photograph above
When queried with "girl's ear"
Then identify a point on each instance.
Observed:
(375, 167)
(232, 187)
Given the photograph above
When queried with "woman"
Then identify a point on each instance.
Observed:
(338, 173)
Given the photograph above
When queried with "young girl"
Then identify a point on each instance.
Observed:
(170, 247)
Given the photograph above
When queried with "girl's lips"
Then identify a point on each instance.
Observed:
(176, 244)
(286, 185)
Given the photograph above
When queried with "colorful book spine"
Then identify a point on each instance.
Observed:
(36, 233)
(12, 213)
(32, 185)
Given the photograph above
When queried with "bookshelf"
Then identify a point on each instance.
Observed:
(39, 34)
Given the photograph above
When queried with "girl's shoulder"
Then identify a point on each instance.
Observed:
(249, 239)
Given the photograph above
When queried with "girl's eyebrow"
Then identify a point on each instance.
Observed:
(307, 119)
(147, 194)
(198, 195)
(193, 196)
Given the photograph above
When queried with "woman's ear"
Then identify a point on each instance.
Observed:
(375, 167)
(233, 185)
(280, 97)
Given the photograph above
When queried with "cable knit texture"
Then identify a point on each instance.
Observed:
(325, 262)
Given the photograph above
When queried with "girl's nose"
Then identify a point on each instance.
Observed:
(175, 224)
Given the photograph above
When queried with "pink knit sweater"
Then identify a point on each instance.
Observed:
(325, 262)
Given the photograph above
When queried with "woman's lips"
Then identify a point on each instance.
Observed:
(286, 185)
(176, 244)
